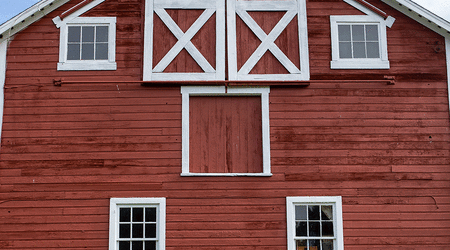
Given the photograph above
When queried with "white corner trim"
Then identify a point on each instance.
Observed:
(187, 91)
(3, 50)
(447, 51)
(58, 22)
(390, 21)
(302, 200)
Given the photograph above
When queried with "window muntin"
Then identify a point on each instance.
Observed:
(137, 224)
(314, 223)
(88, 43)
(358, 42)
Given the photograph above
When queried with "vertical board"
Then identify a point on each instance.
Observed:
(225, 134)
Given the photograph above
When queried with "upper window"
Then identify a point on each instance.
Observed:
(225, 131)
(88, 43)
(314, 223)
(358, 42)
(137, 223)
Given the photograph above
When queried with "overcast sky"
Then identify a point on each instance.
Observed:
(10, 8)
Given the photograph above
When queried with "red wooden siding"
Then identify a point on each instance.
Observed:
(384, 148)
(225, 134)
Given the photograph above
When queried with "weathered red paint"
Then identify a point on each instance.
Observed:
(67, 149)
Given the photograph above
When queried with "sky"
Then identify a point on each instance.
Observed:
(10, 8)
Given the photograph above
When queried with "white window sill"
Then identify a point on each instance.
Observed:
(87, 65)
(226, 174)
(360, 64)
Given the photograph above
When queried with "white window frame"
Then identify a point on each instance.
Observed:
(109, 64)
(156, 72)
(335, 201)
(359, 63)
(293, 8)
(115, 203)
(188, 91)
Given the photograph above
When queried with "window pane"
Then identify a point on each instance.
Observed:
(150, 230)
(101, 51)
(88, 34)
(314, 212)
(344, 33)
(138, 231)
(73, 52)
(74, 34)
(359, 50)
(327, 229)
(102, 34)
(373, 50)
(87, 52)
(125, 214)
(150, 214)
(358, 32)
(314, 229)
(327, 212)
(302, 244)
(124, 231)
(150, 245)
(301, 229)
(345, 50)
(124, 245)
(314, 244)
(138, 214)
(372, 33)
(300, 212)
(327, 245)
(138, 245)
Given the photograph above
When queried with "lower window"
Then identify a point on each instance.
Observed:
(314, 223)
(137, 223)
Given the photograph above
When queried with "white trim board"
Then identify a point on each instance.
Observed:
(156, 72)
(58, 22)
(3, 52)
(188, 91)
(28, 17)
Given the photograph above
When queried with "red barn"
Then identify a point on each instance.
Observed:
(225, 124)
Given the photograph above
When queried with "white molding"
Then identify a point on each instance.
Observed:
(226, 175)
(58, 22)
(336, 201)
(447, 51)
(389, 20)
(156, 72)
(187, 91)
(359, 63)
(159, 203)
(421, 15)
(3, 52)
(109, 64)
(29, 16)
(292, 8)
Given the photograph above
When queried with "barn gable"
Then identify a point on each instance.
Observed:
(221, 135)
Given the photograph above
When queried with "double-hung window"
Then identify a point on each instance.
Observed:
(314, 223)
(358, 42)
(137, 224)
(88, 43)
